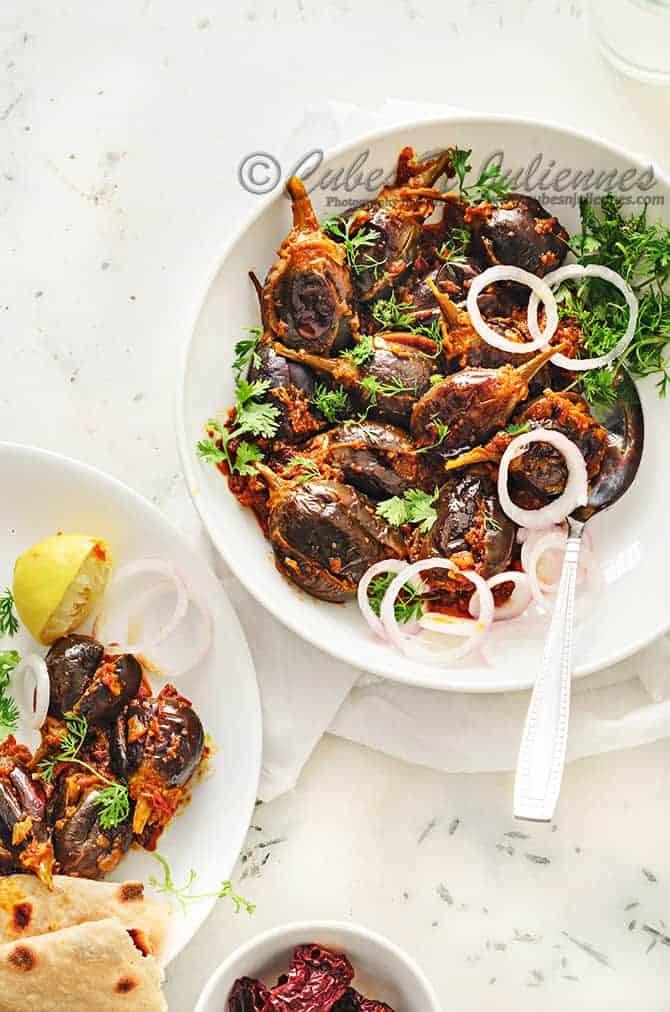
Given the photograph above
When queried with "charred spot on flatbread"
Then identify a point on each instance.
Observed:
(140, 940)
(21, 915)
(22, 958)
(129, 892)
(125, 985)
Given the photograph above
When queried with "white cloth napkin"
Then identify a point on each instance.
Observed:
(306, 693)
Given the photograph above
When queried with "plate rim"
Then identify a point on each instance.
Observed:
(450, 680)
(256, 739)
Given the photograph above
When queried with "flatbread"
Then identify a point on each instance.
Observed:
(28, 908)
(87, 967)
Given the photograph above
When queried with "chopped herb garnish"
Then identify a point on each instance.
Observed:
(413, 507)
(246, 351)
(408, 604)
(354, 245)
(516, 429)
(361, 352)
(9, 623)
(491, 185)
(640, 253)
(374, 388)
(252, 416)
(113, 800)
(392, 315)
(490, 522)
(442, 433)
(308, 466)
(9, 711)
(453, 250)
(334, 405)
(183, 894)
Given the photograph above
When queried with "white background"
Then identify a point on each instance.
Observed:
(121, 129)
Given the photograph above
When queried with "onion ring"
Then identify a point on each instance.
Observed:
(32, 694)
(588, 271)
(140, 567)
(508, 609)
(386, 566)
(539, 288)
(408, 644)
(576, 488)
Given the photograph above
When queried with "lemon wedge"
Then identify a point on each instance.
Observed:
(57, 582)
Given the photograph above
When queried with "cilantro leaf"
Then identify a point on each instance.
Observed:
(334, 405)
(361, 352)
(516, 429)
(9, 623)
(354, 245)
(414, 507)
(246, 351)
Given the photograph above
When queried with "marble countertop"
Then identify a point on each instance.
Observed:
(122, 128)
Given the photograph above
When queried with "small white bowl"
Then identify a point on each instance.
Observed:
(383, 971)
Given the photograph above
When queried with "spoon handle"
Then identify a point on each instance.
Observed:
(545, 735)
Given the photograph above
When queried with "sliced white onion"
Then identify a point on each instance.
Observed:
(576, 487)
(118, 632)
(539, 288)
(31, 690)
(572, 271)
(179, 663)
(544, 590)
(516, 603)
(557, 536)
(386, 566)
(410, 645)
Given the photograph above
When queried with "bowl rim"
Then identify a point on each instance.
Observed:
(353, 929)
(457, 683)
(256, 732)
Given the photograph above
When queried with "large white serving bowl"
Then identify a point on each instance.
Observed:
(44, 493)
(630, 541)
(383, 971)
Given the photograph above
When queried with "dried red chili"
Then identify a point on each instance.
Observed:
(352, 1001)
(248, 996)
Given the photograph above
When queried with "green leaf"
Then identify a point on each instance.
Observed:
(355, 243)
(246, 351)
(9, 717)
(393, 510)
(210, 452)
(361, 352)
(514, 429)
(9, 623)
(442, 433)
(114, 803)
(334, 405)
(184, 895)
(308, 466)
(414, 507)
(408, 604)
(8, 661)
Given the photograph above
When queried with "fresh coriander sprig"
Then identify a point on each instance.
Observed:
(640, 252)
(442, 433)
(394, 315)
(8, 661)
(491, 525)
(453, 249)
(374, 388)
(361, 352)
(183, 894)
(246, 351)
(113, 800)
(9, 623)
(355, 245)
(491, 184)
(413, 507)
(334, 405)
(408, 604)
(9, 711)
(252, 417)
(308, 467)
(516, 429)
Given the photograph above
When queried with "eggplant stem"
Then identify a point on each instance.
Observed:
(318, 362)
(258, 286)
(274, 482)
(478, 455)
(303, 212)
(449, 311)
(534, 364)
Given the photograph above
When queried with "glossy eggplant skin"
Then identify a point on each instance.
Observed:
(113, 685)
(378, 460)
(81, 846)
(473, 403)
(520, 232)
(164, 738)
(470, 525)
(307, 295)
(291, 390)
(325, 535)
(71, 662)
(392, 365)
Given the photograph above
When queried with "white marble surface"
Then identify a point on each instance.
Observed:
(122, 127)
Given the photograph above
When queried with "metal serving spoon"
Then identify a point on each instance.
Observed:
(542, 755)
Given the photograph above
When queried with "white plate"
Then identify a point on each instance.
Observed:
(630, 541)
(43, 493)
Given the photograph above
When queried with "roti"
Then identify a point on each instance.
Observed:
(77, 969)
(28, 908)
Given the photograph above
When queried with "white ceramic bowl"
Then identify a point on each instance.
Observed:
(383, 971)
(630, 541)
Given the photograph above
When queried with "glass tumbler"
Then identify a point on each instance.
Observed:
(634, 35)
